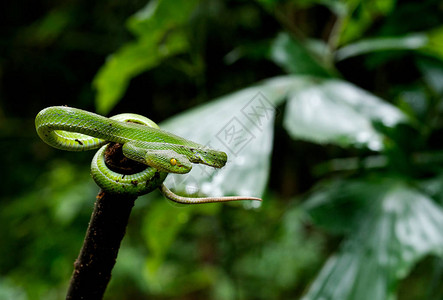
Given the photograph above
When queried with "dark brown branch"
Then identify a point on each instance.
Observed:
(92, 269)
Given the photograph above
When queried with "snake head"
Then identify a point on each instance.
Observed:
(210, 157)
(168, 161)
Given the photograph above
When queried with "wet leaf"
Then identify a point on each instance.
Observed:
(241, 124)
(397, 228)
(338, 112)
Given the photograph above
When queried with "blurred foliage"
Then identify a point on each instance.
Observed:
(329, 110)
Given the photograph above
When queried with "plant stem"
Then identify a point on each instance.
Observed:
(92, 269)
(107, 227)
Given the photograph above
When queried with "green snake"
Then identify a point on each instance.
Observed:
(143, 141)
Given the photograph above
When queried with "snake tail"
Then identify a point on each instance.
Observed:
(189, 200)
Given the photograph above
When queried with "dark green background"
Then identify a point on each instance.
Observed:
(377, 210)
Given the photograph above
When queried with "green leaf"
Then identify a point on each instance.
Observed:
(338, 7)
(432, 71)
(159, 16)
(49, 28)
(161, 225)
(338, 112)
(435, 45)
(241, 124)
(359, 17)
(434, 186)
(132, 59)
(429, 43)
(397, 228)
(160, 31)
(413, 41)
(335, 205)
(293, 57)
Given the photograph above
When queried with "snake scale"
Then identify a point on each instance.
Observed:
(143, 141)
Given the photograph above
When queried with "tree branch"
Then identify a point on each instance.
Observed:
(92, 269)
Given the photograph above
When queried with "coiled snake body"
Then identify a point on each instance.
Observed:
(162, 152)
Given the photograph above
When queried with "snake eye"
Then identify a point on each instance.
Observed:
(173, 161)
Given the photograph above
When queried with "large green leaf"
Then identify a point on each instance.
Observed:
(241, 124)
(335, 111)
(334, 205)
(160, 33)
(396, 228)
